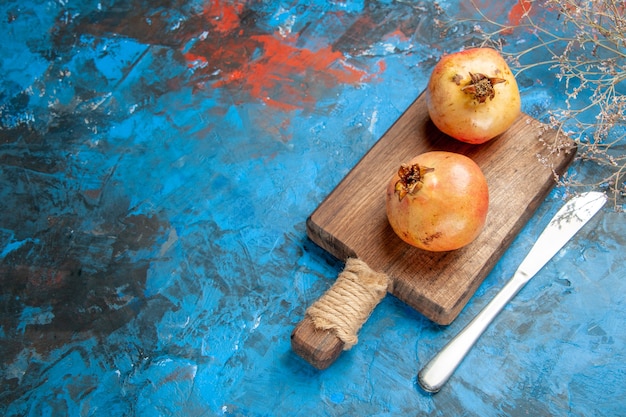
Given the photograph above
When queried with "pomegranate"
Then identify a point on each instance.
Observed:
(472, 95)
(438, 201)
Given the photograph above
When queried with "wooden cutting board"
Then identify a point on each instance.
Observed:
(352, 222)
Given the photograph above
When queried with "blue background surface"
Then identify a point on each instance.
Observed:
(158, 162)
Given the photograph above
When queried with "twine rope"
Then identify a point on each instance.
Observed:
(348, 303)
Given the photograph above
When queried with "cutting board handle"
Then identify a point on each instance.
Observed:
(331, 324)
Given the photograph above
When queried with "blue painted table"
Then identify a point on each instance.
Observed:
(158, 161)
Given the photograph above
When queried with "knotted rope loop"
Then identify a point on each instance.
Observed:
(348, 303)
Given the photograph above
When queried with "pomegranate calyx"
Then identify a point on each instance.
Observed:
(481, 87)
(411, 179)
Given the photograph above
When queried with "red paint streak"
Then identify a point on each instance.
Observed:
(519, 11)
(286, 76)
(267, 68)
(225, 17)
(382, 66)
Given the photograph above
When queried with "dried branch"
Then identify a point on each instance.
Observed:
(583, 45)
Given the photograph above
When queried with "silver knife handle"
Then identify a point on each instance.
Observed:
(439, 369)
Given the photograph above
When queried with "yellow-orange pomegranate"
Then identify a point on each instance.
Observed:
(472, 95)
(438, 201)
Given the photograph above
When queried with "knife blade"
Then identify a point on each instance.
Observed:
(563, 226)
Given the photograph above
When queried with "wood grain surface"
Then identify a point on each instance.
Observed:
(352, 222)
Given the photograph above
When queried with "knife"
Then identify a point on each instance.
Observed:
(563, 226)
